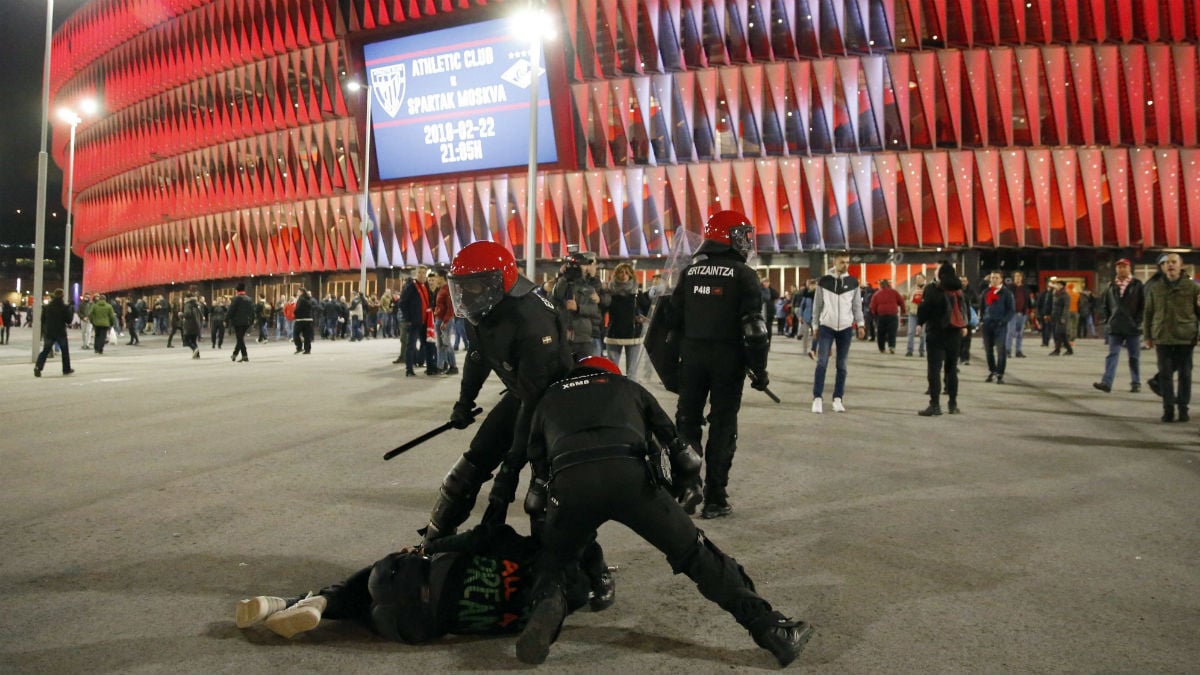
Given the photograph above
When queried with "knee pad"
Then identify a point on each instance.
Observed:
(457, 496)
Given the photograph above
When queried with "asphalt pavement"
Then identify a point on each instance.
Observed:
(1050, 528)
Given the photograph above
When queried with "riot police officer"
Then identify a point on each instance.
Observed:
(716, 309)
(593, 458)
(519, 335)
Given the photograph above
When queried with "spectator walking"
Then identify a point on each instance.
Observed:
(57, 316)
(1121, 310)
(241, 316)
(1022, 304)
(944, 315)
(1169, 322)
(916, 337)
(885, 306)
(997, 304)
(837, 309)
(103, 318)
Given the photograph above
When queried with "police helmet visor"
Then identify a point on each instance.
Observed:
(741, 239)
(474, 295)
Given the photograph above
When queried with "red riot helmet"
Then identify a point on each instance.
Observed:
(599, 363)
(479, 277)
(731, 229)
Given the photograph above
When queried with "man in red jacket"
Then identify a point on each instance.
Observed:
(885, 307)
(443, 323)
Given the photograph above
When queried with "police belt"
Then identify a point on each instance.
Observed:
(572, 458)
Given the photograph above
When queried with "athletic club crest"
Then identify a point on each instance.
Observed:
(388, 84)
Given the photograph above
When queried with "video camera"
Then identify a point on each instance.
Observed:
(574, 264)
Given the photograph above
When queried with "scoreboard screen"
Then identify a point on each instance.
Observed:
(456, 100)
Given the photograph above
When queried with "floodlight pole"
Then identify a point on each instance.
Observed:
(535, 48)
(39, 240)
(70, 212)
(365, 222)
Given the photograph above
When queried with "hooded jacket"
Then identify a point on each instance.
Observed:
(837, 303)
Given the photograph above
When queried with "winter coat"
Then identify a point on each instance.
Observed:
(1123, 312)
(102, 314)
(1171, 312)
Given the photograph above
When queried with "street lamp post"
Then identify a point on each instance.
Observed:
(365, 224)
(536, 22)
(70, 116)
(39, 239)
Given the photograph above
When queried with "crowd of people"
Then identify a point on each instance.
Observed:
(576, 418)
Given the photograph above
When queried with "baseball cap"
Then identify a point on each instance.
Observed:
(1124, 261)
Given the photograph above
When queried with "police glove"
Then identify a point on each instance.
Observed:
(536, 498)
(759, 379)
(463, 415)
(504, 491)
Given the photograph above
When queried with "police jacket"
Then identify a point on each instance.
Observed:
(1122, 312)
(714, 296)
(241, 310)
(1171, 312)
(592, 415)
(523, 340)
(837, 302)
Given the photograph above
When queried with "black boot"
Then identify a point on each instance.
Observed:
(545, 621)
(781, 636)
(930, 411)
(1168, 414)
(1183, 414)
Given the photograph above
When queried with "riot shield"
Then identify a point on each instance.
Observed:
(662, 346)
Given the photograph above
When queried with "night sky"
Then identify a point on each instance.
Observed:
(22, 46)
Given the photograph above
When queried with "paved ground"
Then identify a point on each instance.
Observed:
(1049, 529)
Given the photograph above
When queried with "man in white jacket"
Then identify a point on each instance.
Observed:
(837, 311)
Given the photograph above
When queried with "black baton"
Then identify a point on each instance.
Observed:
(764, 390)
(426, 436)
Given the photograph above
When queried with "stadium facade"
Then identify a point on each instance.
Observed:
(232, 145)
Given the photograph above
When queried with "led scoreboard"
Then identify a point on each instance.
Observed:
(456, 100)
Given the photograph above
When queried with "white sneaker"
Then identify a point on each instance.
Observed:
(253, 610)
(817, 406)
(300, 617)
(837, 405)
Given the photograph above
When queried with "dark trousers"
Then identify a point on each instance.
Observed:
(994, 333)
(585, 496)
(415, 350)
(240, 346)
(218, 334)
(1175, 360)
(885, 331)
(302, 335)
(941, 359)
(191, 341)
(262, 329)
(133, 334)
(101, 338)
(4, 333)
(174, 330)
(714, 373)
(48, 347)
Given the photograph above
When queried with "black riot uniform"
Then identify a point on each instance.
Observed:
(590, 442)
(717, 310)
(522, 339)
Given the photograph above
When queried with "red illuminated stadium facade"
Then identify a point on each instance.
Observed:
(231, 146)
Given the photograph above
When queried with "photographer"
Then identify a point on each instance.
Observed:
(577, 297)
